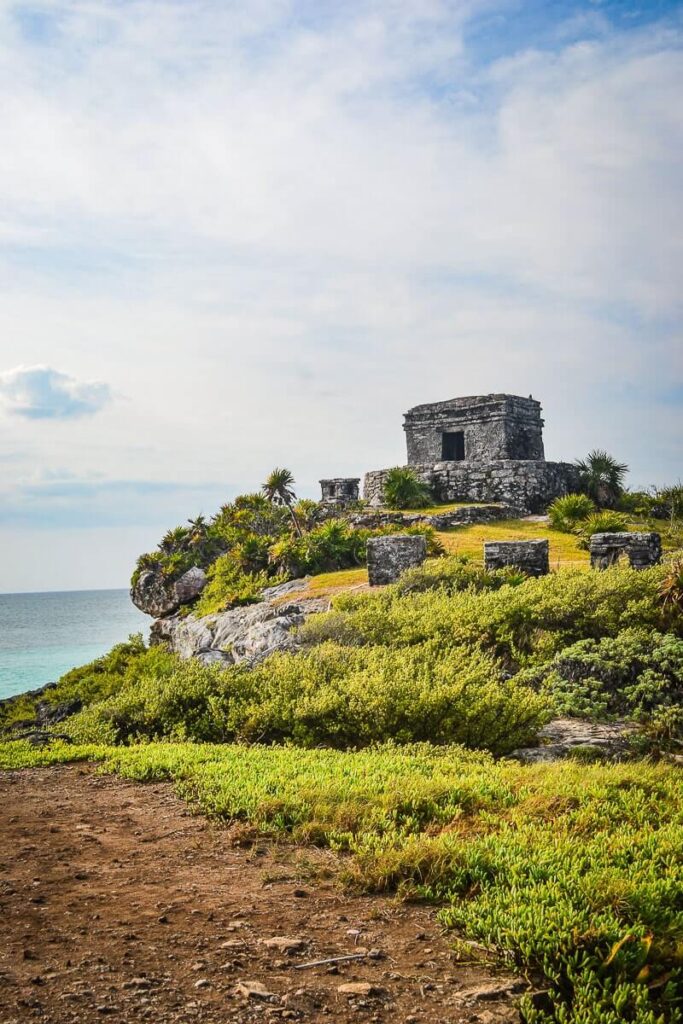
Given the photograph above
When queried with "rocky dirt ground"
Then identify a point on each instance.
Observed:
(116, 903)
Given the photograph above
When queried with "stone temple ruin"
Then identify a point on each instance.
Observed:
(483, 448)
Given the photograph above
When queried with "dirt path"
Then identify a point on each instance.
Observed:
(117, 904)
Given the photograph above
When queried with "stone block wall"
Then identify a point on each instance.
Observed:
(390, 556)
(529, 486)
(531, 556)
(340, 490)
(642, 549)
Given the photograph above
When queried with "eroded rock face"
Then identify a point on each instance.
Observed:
(159, 597)
(563, 736)
(246, 634)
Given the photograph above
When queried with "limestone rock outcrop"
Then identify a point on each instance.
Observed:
(159, 597)
(240, 635)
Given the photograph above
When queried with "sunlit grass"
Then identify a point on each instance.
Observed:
(433, 510)
(469, 540)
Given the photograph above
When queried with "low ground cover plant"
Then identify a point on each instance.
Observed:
(573, 871)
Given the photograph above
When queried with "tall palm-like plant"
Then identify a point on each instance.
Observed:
(279, 488)
(601, 477)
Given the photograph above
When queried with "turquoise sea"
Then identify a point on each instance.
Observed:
(44, 635)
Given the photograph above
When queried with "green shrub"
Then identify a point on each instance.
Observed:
(606, 521)
(402, 488)
(634, 674)
(229, 586)
(453, 574)
(524, 625)
(668, 502)
(329, 696)
(671, 589)
(334, 544)
(164, 698)
(567, 513)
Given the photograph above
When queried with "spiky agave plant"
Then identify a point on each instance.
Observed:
(404, 489)
(671, 590)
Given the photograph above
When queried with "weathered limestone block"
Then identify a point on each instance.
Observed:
(389, 556)
(340, 491)
(642, 549)
(531, 556)
(190, 585)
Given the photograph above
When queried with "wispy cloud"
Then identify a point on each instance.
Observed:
(41, 393)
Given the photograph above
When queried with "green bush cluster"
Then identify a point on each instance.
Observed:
(522, 625)
(637, 673)
(658, 503)
(329, 695)
(576, 513)
(454, 574)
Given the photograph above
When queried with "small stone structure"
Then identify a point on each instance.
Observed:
(340, 491)
(389, 556)
(531, 556)
(641, 549)
(482, 448)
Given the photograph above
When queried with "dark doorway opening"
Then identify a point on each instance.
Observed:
(453, 446)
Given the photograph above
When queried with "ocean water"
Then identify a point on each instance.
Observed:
(44, 635)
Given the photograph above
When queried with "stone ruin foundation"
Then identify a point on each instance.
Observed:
(641, 549)
(390, 556)
(340, 491)
(531, 556)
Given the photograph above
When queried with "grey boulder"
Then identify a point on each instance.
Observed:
(159, 597)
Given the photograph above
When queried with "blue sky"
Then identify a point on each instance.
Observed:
(235, 235)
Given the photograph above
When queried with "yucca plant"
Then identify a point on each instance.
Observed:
(404, 489)
(566, 514)
(601, 477)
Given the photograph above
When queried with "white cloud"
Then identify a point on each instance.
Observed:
(285, 222)
(41, 393)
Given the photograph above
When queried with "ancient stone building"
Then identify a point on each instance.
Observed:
(340, 490)
(482, 448)
(482, 429)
